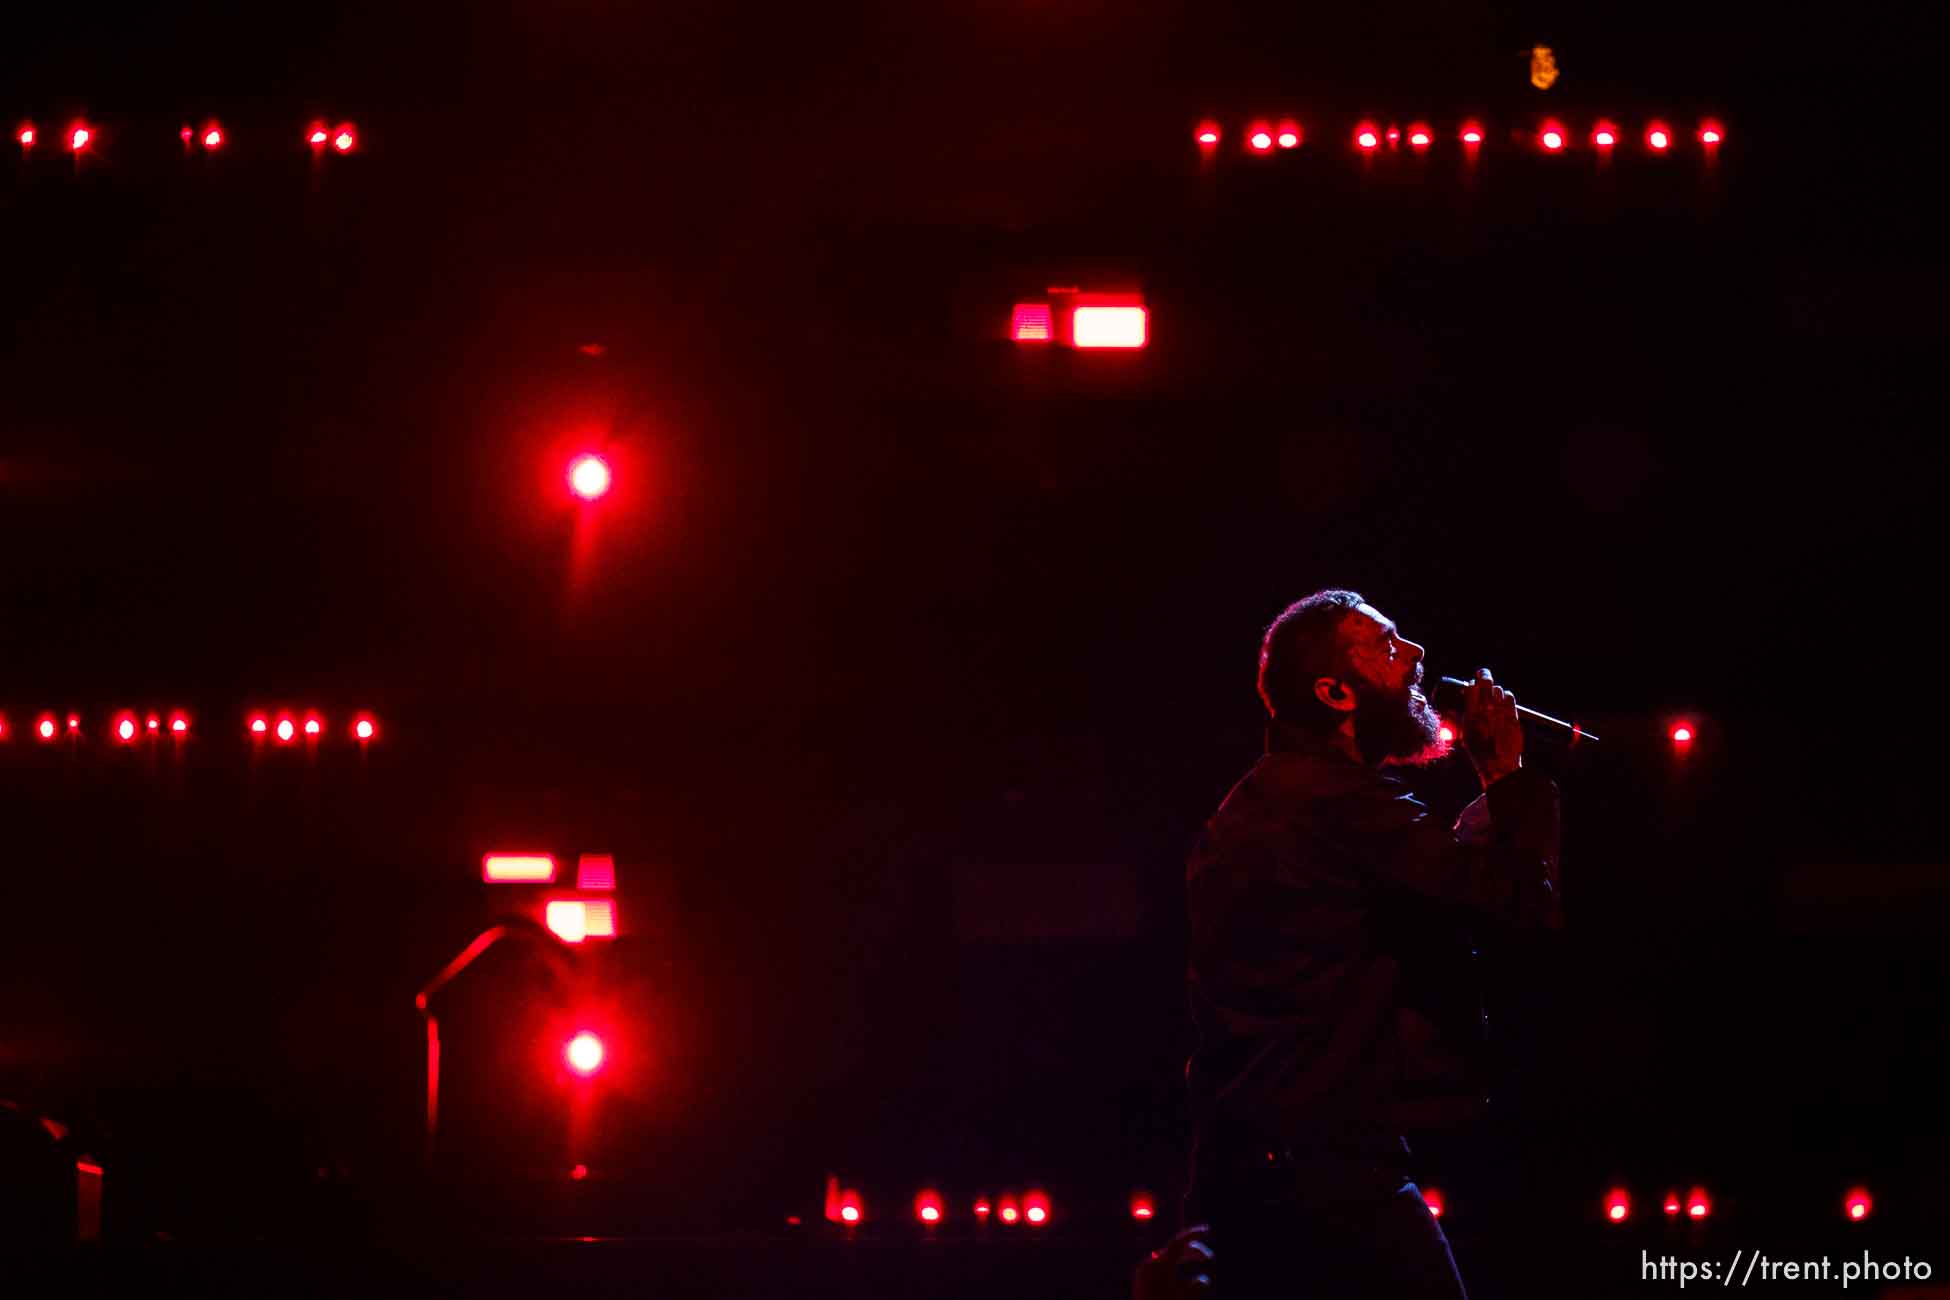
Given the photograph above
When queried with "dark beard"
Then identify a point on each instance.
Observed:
(1397, 730)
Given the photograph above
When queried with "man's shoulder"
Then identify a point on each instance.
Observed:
(1290, 783)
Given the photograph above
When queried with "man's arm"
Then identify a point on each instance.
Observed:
(1498, 861)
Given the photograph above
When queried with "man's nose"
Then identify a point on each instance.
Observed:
(1416, 651)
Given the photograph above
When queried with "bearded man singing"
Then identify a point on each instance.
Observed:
(1332, 924)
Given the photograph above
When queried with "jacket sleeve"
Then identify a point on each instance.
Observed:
(1499, 860)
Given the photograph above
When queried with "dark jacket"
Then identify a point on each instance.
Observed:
(1333, 922)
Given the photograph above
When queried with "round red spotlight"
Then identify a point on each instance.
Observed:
(1672, 1206)
(363, 729)
(1394, 135)
(1710, 133)
(179, 724)
(1858, 1204)
(26, 135)
(74, 722)
(1261, 140)
(1007, 1211)
(345, 139)
(1367, 138)
(316, 135)
(579, 1172)
(285, 731)
(1142, 1206)
(1446, 734)
(850, 1213)
(1472, 133)
(1682, 735)
(1207, 134)
(213, 136)
(1552, 139)
(1657, 138)
(982, 1209)
(584, 1053)
(927, 1206)
(45, 728)
(1697, 1206)
(125, 730)
(1618, 1205)
(1288, 140)
(1432, 1197)
(258, 726)
(79, 138)
(154, 723)
(1418, 138)
(313, 726)
(1604, 135)
(589, 477)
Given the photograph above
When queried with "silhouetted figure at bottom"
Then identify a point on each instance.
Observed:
(1332, 931)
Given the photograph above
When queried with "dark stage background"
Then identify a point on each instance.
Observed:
(903, 665)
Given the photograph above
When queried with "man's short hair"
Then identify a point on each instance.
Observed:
(1303, 645)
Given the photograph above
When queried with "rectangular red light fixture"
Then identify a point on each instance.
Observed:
(599, 918)
(595, 871)
(1110, 325)
(518, 869)
(1030, 323)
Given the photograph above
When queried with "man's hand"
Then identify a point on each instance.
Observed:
(1492, 736)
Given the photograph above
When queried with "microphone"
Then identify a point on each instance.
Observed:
(1456, 688)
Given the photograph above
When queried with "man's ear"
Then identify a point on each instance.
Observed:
(1334, 693)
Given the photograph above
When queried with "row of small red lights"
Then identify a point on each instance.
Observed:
(127, 730)
(1552, 137)
(1682, 734)
(80, 136)
(363, 728)
(1034, 1208)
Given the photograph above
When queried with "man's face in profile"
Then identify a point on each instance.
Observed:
(1394, 723)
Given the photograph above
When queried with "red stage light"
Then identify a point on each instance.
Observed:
(1289, 136)
(1472, 133)
(1006, 1210)
(125, 730)
(1208, 134)
(46, 728)
(26, 135)
(1030, 323)
(518, 869)
(285, 731)
(345, 139)
(316, 135)
(1108, 325)
(74, 722)
(1261, 138)
(1418, 137)
(982, 1208)
(1658, 138)
(1682, 735)
(1710, 133)
(1142, 1206)
(584, 1053)
(1432, 1197)
(1394, 135)
(1446, 735)
(179, 724)
(364, 729)
(850, 1213)
(595, 871)
(579, 1173)
(1618, 1205)
(1858, 1204)
(79, 138)
(1672, 1205)
(1367, 137)
(154, 723)
(599, 918)
(1552, 138)
(927, 1206)
(212, 136)
(188, 133)
(589, 477)
(1604, 135)
(1697, 1206)
(257, 726)
(567, 919)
